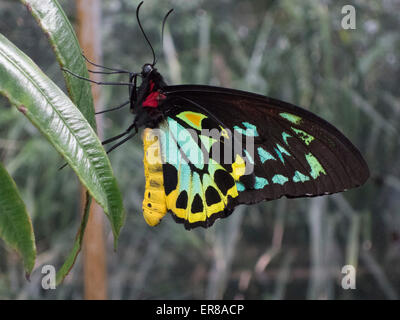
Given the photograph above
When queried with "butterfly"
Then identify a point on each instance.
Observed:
(261, 149)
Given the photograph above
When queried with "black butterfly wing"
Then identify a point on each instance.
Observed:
(296, 153)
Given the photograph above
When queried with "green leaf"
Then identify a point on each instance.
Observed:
(70, 261)
(54, 114)
(55, 24)
(15, 225)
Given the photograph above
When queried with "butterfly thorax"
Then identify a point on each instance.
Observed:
(149, 99)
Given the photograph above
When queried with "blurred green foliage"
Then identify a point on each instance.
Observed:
(290, 50)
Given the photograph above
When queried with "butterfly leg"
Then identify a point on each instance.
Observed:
(114, 108)
(133, 125)
(100, 66)
(97, 82)
(122, 142)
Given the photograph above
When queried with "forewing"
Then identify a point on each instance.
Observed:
(295, 152)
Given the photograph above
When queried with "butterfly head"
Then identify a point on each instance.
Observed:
(146, 70)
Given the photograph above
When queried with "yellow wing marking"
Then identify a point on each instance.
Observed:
(192, 118)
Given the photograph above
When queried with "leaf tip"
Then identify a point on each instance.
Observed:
(115, 243)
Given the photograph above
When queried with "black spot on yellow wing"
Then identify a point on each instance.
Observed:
(182, 200)
(197, 204)
(223, 180)
(212, 196)
(170, 178)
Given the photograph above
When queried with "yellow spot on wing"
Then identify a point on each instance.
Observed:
(192, 118)
(238, 168)
(224, 133)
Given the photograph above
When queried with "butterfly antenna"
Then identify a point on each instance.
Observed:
(144, 34)
(103, 67)
(163, 25)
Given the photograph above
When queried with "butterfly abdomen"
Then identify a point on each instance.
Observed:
(154, 202)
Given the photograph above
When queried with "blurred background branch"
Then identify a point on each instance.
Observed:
(94, 254)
